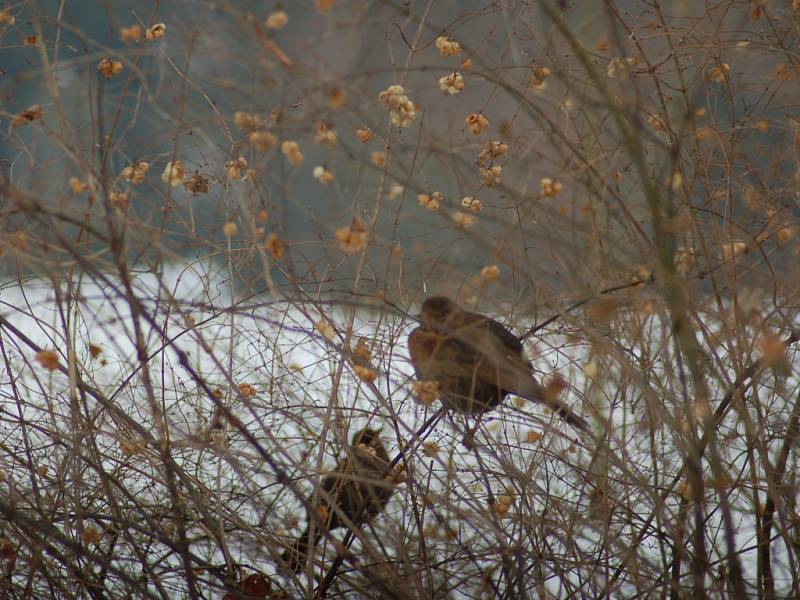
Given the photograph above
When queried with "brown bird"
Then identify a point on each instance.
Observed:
(357, 490)
(475, 361)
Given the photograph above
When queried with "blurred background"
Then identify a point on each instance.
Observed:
(211, 213)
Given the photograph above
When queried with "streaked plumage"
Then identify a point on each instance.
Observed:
(357, 490)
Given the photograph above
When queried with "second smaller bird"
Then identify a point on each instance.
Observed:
(357, 490)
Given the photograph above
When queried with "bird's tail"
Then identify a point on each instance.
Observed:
(530, 389)
(296, 555)
(566, 413)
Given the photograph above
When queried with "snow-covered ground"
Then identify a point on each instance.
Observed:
(95, 462)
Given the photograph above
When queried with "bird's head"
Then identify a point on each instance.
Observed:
(367, 437)
(437, 310)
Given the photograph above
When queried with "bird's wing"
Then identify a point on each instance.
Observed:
(494, 355)
(505, 366)
(509, 339)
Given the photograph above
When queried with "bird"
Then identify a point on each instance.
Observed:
(475, 361)
(358, 489)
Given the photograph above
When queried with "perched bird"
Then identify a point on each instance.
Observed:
(357, 490)
(475, 361)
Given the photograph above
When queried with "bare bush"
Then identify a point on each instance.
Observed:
(219, 220)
